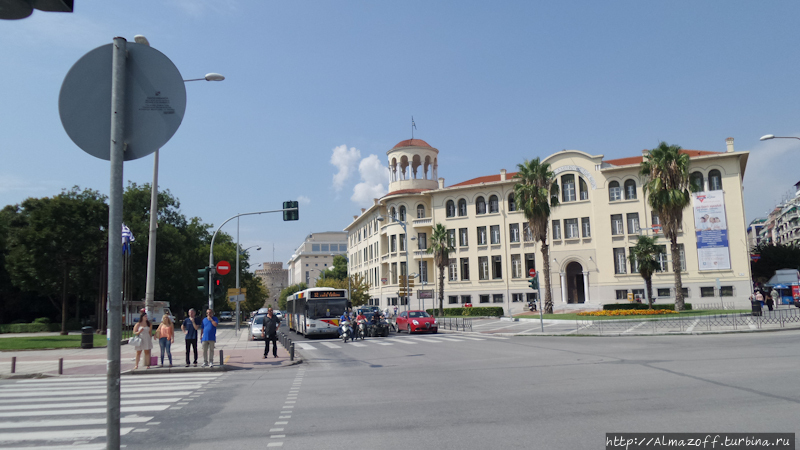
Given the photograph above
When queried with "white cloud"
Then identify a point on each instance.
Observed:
(374, 176)
(771, 173)
(345, 160)
(303, 200)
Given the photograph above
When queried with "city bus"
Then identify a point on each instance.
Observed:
(316, 311)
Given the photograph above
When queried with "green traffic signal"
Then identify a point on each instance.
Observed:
(533, 283)
(202, 280)
(291, 215)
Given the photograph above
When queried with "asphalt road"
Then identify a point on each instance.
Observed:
(450, 392)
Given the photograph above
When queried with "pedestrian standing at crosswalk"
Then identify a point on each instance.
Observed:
(190, 327)
(143, 329)
(166, 337)
(209, 337)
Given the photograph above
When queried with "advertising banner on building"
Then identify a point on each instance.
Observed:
(711, 230)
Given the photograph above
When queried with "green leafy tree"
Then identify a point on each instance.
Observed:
(536, 194)
(338, 271)
(289, 291)
(643, 255)
(54, 245)
(359, 287)
(440, 247)
(256, 294)
(774, 257)
(666, 173)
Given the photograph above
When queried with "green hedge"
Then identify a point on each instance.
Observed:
(496, 311)
(29, 327)
(669, 306)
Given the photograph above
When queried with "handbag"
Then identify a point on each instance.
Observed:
(135, 341)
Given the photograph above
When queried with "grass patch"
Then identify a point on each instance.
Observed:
(575, 316)
(48, 342)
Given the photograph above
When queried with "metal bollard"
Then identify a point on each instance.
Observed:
(291, 352)
(13, 364)
(222, 357)
(60, 366)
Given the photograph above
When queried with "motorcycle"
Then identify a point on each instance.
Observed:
(362, 329)
(532, 306)
(347, 332)
(380, 329)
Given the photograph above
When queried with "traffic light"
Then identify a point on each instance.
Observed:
(291, 215)
(202, 281)
(219, 289)
(533, 282)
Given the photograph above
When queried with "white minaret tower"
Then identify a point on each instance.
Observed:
(413, 164)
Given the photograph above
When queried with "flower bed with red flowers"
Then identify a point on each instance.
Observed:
(628, 312)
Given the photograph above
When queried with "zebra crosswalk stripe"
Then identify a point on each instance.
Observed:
(59, 412)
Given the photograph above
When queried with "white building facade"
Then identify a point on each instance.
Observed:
(315, 255)
(602, 212)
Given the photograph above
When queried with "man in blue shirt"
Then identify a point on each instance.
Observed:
(209, 337)
(190, 326)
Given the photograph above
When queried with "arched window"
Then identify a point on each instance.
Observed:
(696, 179)
(584, 189)
(512, 202)
(493, 206)
(480, 205)
(450, 209)
(420, 211)
(393, 213)
(630, 190)
(614, 191)
(714, 180)
(402, 214)
(462, 207)
(568, 188)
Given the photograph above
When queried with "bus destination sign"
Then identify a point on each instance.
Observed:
(328, 294)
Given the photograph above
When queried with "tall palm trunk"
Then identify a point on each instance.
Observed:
(441, 291)
(548, 298)
(676, 269)
(648, 284)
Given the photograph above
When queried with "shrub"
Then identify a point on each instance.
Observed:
(29, 327)
(491, 311)
(670, 306)
(629, 312)
(42, 320)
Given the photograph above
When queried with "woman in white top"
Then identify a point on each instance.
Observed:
(143, 329)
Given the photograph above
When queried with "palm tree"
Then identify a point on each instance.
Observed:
(440, 247)
(536, 193)
(643, 255)
(666, 173)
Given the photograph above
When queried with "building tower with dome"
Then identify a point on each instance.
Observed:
(602, 212)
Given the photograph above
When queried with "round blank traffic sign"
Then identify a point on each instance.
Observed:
(223, 267)
(532, 272)
(155, 101)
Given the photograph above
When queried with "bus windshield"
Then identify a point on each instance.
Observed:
(318, 309)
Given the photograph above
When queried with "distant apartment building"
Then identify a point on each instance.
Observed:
(782, 226)
(603, 210)
(754, 232)
(315, 255)
(274, 278)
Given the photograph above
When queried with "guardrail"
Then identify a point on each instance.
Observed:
(717, 305)
(455, 323)
(778, 318)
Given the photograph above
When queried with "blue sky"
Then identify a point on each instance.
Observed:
(317, 92)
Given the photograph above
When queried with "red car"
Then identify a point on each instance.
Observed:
(416, 320)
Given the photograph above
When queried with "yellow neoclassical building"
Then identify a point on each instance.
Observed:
(602, 211)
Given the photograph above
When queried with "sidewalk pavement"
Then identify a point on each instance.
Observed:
(240, 353)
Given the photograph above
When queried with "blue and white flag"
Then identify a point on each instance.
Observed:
(127, 238)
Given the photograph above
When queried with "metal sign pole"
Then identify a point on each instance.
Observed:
(115, 243)
(539, 294)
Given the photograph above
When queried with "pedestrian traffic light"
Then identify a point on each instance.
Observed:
(202, 280)
(291, 215)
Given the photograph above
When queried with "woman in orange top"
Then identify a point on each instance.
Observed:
(166, 337)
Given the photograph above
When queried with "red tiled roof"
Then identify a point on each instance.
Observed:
(486, 179)
(411, 143)
(638, 159)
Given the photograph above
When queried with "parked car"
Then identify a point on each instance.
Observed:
(416, 321)
(225, 316)
(255, 327)
(278, 314)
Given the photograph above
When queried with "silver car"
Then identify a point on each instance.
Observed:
(255, 327)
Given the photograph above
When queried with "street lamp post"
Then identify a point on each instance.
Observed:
(767, 137)
(150, 283)
(238, 289)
